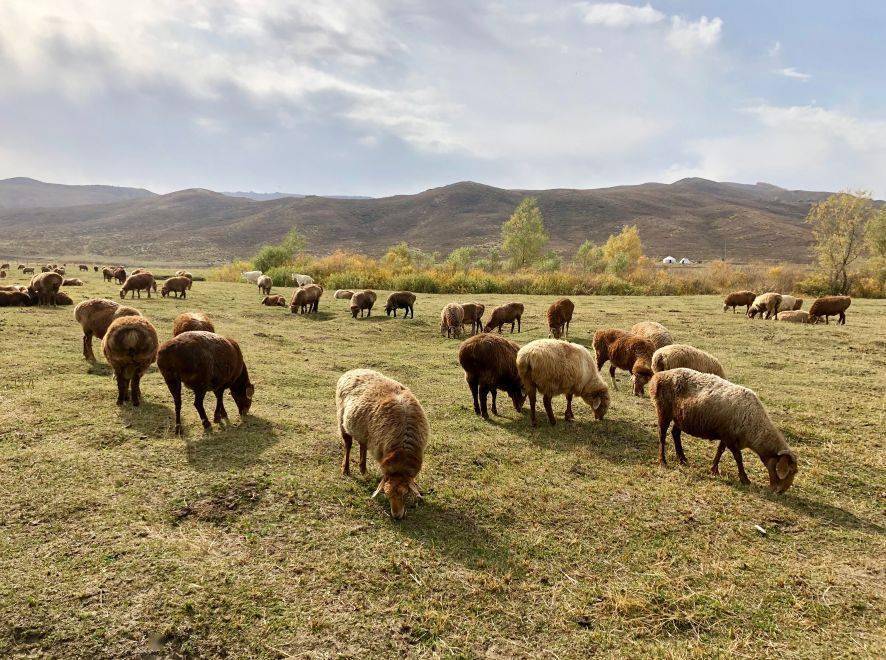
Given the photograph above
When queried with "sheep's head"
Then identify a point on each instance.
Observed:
(122, 293)
(397, 488)
(556, 331)
(243, 397)
(725, 307)
(782, 470)
(354, 311)
(599, 403)
(518, 396)
(639, 378)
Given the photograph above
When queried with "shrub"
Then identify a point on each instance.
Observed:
(271, 256)
(229, 273)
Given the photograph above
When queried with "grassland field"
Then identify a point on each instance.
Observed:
(119, 539)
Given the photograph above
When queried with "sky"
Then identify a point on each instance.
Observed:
(367, 97)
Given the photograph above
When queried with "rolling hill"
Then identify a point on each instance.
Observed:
(22, 192)
(695, 218)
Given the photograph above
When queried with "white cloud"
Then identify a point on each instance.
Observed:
(691, 36)
(619, 15)
(791, 72)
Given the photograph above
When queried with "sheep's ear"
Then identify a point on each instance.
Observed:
(381, 485)
(596, 403)
(786, 460)
(250, 390)
(414, 488)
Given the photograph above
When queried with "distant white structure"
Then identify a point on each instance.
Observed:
(684, 261)
(668, 260)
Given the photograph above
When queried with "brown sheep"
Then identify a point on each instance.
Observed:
(602, 341)
(83, 267)
(451, 320)
(343, 294)
(187, 321)
(766, 305)
(633, 354)
(45, 286)
(107, 274)
(60, 271)
(362, 301)
(828, 306)
(72, 281)
(15, 299)
(306, 299)
(177, 285)
(264, 284)
(653, 331)
(274, 301)
(385, 418)
(130, 347)
(401, 300)
(2, 274)
(139, 271)
(473, 315)
(5, 266)
(119, 274)
(138, 283)
(490, 364)
(28, 270)
(509, 313)
(184, 273)
(559, 316)
(737, 299)
(95, 268)
(95, 316)
(205, 362)
(62, 298)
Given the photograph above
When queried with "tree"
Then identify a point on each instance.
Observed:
(463, 258)
(523, 236)
(839, 225)
(877, 234)
(294, 242)
(590, 257)
(623, 251)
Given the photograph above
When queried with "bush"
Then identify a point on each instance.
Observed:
(281, 275)
(271, 256)
(229, 273)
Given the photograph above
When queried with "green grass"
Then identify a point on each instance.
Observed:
(118, 538)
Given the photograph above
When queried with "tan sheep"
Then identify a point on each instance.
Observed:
(130, 347)
(790, 303)
(343, 294)
(386, 419)
(362, 301)
(654, 332)
(264, 285)
(451, 320)
(188, 321)
(177, 285)
(138, 283)
(95, 316)
(793, 316)
(554, 367)
(45, 286)
(766, 305)
(709, 407)
(72, 281)
(675, 356)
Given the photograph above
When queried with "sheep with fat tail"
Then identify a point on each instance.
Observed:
(404, 300)
(490, 364)
(473, 314)
(177, 285)
(709, 407)
(386, 419)
(766, 305)
(130, 347)
(451, 320)
(362, 301)
(95, 317)
(45, 286)
(264, 285)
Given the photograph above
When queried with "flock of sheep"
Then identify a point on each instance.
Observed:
(687, 386)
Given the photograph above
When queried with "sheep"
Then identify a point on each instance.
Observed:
(184, 273)
(633, 354)
(119, 274)
(302, 280)
(138, 271)
(15, 299)
(509, 313)
(252, 276)
(187, 321)
(264, 284)
(451, 320)
(675, 356)
(20, 267)
(490, 364)
(95, 268)
(401, 300)
(13, 287)
(473, 314)
(72, 281)
(138, 283)
(2, 274)
(62, 298)
(205, 362)
(60, 271)
(45, 286)
(737, 299)
(559, 316)
(306, 299)
(5, 266)
(710, 407)
(766, 305)
(83, 267)
(789, 303)
(343, 294)
(362, 300)
(554, 367)
(28, 270)
(177, 285)
(45, 269)
(654, 332)
(107, 274)
(95, 316)
(793, 316)
(828, 306)
(602, 340)
(130, 347)
(386, 419)
(274, 301)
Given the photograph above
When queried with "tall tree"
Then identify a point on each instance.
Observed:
(839, 225)
(523, 236)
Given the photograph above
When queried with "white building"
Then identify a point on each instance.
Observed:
(684, 261)
(668, 260)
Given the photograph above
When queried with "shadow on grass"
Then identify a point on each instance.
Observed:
(151, 418)
(99, 369)
(236, 445)
(317, 316)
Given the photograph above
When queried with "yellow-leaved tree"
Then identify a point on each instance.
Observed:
(523, 236)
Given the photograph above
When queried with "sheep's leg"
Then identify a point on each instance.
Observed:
(122, 390)
(362, 458)
(715, 466)
(220, 412)
(473, 386)
(175, 388)
(739, 463)
(519, 325)
(484, 392)
(532, 419)
(184, 294)
(87, 346)
(548, 409)
(664, 421)
(678, 444)
(612, 376)
(512, 326)
(494, 392)
(842, 318)
(198, 404)
(347, 441)
(569, 416)
(136, 392)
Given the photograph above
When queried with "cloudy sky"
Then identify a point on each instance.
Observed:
(382, 97)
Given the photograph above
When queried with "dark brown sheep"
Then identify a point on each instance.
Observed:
(828, 306)
(177, 285)
(602, 340)
(306, 299)
(473, 315)
(739, 299)
(62, 298)
(28, 270)
(15, 299)
(95, 316)
(2, 274)
(45, 286)
(138, 283)
(559, 317)
(119, 274)
(274, 301)
(188, 321)
(205, 362)
(490, 364)
(83, 267)
(634, 354)
(4, 266)
(95, 268)
(107, 274)
(362, 301)
(509, 313)
(130, 347)
(401, 300)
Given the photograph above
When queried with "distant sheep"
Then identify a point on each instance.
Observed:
(107, 274)
(404, 300)
(138, 283)
(451, 320)
(490, 364)
(739, 299)
(28, 270)
(473, 314)
(45, 286)
(828, 306)
(188, 321)
(343, 294)
(676, 356)
(793, 316)
(62, 298)
(119, 274)
(362, 301)
(509, 313)
(274, 301)
(175, 285)
(306, 299)
(72, 281)
(139, 271)
(554, 367)
(709, 407)
(654, 332)
(130, 347)
(4, 267)
(385, 419)
(559, 317)
(302, 280)
(2, 274)
(252, 276)
(15, 299)
(83, 267)
(766, 305)
(95, 316)
(264, 284)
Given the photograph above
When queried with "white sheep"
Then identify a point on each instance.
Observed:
(302, 280)
(252, 276)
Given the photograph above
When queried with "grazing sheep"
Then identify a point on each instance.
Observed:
(739, 298)
(130, 347)
(138, 283)
(793, 316)
(28, 270)
(490, 364)
(45, 286)
(633, 354)
(187, 321)
(554, 367)
(602, 340)
(107, 274)
(676, 356)
(184, 273)
(362, 300)
(789, 303)
(4, 266)
(45, 269)
(62, 298)
(451, 320)
(401, 300)
(205, 362)
(709, 407)
(15, 299)
(139, 271)
(252, 276)
(306, 299)
(386, 419)
(559, 316)
(95, 316)
(83, 267)
(72, 281)
(828, 306)
(119, 274)
(343, 294)
(302, 280)
(264, 284)
(95, 268)
(654, 332)
(274, 301)
(175, 285)
(20, 267)
(766, 305)
(473, 315)
(509, 313)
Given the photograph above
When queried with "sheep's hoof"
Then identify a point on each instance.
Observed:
(207, 426)
(715, 471)
(120, 402)
(346, 471)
